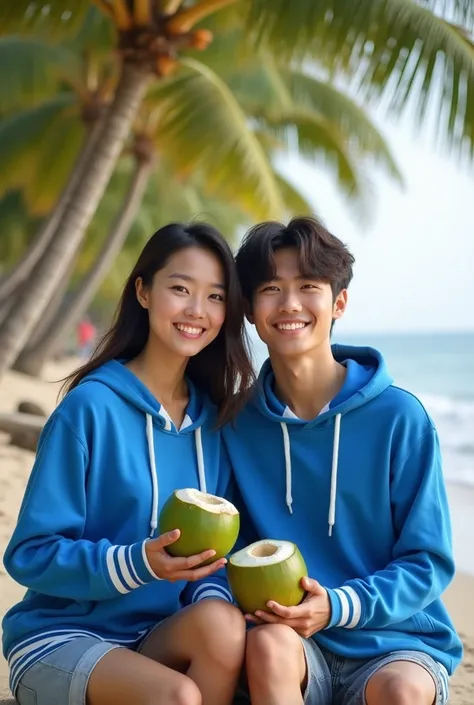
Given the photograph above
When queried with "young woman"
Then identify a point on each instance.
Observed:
(101, 621)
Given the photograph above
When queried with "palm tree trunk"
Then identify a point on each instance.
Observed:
(77, 215)
(25, 266)
(54, 306)
(32, 360)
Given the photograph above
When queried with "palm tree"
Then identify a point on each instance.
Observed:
(197, 97)
(381, 42)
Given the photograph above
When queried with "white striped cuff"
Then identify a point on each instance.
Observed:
(128, 567)
(346, 607)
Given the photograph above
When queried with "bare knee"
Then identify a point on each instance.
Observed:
(222, 627)
(394, 688)
(274, 651)
(183, 691)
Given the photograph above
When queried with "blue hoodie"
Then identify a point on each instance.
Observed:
(108, 458)
(360, 490)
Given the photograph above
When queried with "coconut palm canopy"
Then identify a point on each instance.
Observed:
(215, 89)
(224, 117)
(405, 48)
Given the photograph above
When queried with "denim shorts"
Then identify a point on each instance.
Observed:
(62, 676)
(334, 680)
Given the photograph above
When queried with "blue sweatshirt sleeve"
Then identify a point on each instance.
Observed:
(47, 552)
(216, 586)
(422, 565)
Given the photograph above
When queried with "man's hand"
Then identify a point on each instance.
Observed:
(307, 618)
(170, 568)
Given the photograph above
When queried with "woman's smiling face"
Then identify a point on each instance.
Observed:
(186, 302)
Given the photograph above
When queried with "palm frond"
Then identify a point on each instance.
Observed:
(30, 71)
(52, 20)
(21, 138)
(268, 89)
(296, 203)
(335, 106)
(95, 35)
(388, 45)
(201, 126)
(56, 156)
(308, 134)
(457, 11)
(18, 228)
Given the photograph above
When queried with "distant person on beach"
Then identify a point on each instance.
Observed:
(102, 620)
(329, 453)
(86, 333)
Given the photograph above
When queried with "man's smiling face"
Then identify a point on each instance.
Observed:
(293, 312)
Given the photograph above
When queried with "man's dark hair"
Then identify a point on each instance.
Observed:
(321, 255)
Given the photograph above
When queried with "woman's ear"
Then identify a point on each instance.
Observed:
(142, 292)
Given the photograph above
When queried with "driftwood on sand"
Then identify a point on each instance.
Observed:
(24, 426)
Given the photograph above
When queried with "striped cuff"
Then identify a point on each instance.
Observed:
(212, 591)
(128, 567)
(346, 607)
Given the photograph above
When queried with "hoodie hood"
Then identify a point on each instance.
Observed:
(125, 384)
(367, 377)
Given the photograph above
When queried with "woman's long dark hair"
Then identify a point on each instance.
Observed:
(222, 369)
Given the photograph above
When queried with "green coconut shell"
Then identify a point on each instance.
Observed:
(201, 530)
(254, 586)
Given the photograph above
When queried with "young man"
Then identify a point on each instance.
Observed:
(331, 454)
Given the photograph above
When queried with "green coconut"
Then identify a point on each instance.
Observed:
(204, 520)
(266, 570)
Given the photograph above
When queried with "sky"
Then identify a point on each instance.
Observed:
(414, 267)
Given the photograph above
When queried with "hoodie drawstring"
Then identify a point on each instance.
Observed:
(334, 469)
(286, 445)
(154, 474)
(335, 458)
(200, 460)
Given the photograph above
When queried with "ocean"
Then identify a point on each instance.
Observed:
(439, 369)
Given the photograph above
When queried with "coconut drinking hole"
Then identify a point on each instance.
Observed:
(210, 503)
(264, 550)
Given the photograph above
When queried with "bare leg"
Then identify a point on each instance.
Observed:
(122, 677)
(401, 683)
(275, 665)
(207, 642)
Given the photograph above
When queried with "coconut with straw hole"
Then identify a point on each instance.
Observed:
(205, 521)
(267, 570)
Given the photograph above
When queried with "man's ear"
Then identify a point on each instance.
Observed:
(142, 292)
(340, 304)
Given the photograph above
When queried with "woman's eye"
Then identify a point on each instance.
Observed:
(270, 288)
(181, 289)
(217, 297)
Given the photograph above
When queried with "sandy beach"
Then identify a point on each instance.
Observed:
(15, 466)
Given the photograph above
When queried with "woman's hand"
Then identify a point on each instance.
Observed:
(170, 568)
